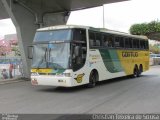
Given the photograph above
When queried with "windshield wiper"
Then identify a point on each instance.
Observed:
(49, 53)
(48, 58)
(45, 55)
(57, 66)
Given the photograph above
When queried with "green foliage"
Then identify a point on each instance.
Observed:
(145, 28)
(16, 51)
(154, 49)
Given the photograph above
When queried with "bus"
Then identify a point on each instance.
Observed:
(70, 55)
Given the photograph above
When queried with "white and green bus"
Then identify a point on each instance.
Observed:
(72, 55)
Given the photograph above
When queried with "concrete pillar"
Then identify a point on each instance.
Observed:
(50, 19)
(25, 23)
(25, 27)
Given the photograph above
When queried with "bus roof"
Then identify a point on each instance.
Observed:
(94, 29)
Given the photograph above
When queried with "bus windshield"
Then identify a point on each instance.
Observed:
(56, 48)
(55, 55)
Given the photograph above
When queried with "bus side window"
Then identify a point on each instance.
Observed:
(105, 40)
(134, 44)
(98, 39)
(121, 42)
(142, 44)
(78, 59)
(128, 43)
(146, 45)
(117, 42)
(92, 42)
(79, 34)
(110, 41)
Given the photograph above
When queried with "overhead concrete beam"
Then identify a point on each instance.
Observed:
(55, 6)
(28, 15)
(3, 13)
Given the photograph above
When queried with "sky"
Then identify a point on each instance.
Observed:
(117, 16)
(6, 27)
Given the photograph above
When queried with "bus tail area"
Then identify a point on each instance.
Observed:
(112, 63)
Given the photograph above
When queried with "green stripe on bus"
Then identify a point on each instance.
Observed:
(111, 60)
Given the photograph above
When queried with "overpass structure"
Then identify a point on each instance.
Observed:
(29, 15)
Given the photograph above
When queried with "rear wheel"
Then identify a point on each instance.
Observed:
(136, 72)
(93, 78)
(140, 69)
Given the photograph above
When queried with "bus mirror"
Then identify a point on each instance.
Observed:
(30, 50)
(77, 50)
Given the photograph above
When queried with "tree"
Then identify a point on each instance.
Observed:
(151, 30)
(16, 51)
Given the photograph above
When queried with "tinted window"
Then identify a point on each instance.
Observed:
(128, 43)
(79, 61)
(135, 43)
(79, 35)
(110, 41)
(95, 39)
(119, 42)
(105, 40)
(98, 39)
(142, 44)
(146, 45)
(92, 39)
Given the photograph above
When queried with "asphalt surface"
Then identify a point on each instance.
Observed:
(122, 95)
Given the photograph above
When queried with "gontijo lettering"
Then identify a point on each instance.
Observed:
(129, 54)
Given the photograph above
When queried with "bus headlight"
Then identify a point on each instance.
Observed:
(67, 74)
(64, 75)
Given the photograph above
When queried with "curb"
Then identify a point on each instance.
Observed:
(14, 80)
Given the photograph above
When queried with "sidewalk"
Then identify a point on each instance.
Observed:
(13, 80)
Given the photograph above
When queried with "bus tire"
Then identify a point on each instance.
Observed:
(93, 78)
(135, 71)
(140, 69)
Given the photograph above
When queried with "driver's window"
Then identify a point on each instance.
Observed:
(79, 48)
(79, 35)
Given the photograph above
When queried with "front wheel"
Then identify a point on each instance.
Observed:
(93, 78)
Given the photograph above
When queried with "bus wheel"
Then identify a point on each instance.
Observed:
(93, 78)
(140, 69)
(136, 72)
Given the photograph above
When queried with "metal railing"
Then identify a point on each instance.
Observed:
(8, 72)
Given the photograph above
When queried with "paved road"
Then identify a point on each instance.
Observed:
(125, 95)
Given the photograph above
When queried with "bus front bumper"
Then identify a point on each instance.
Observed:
(52, 80)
